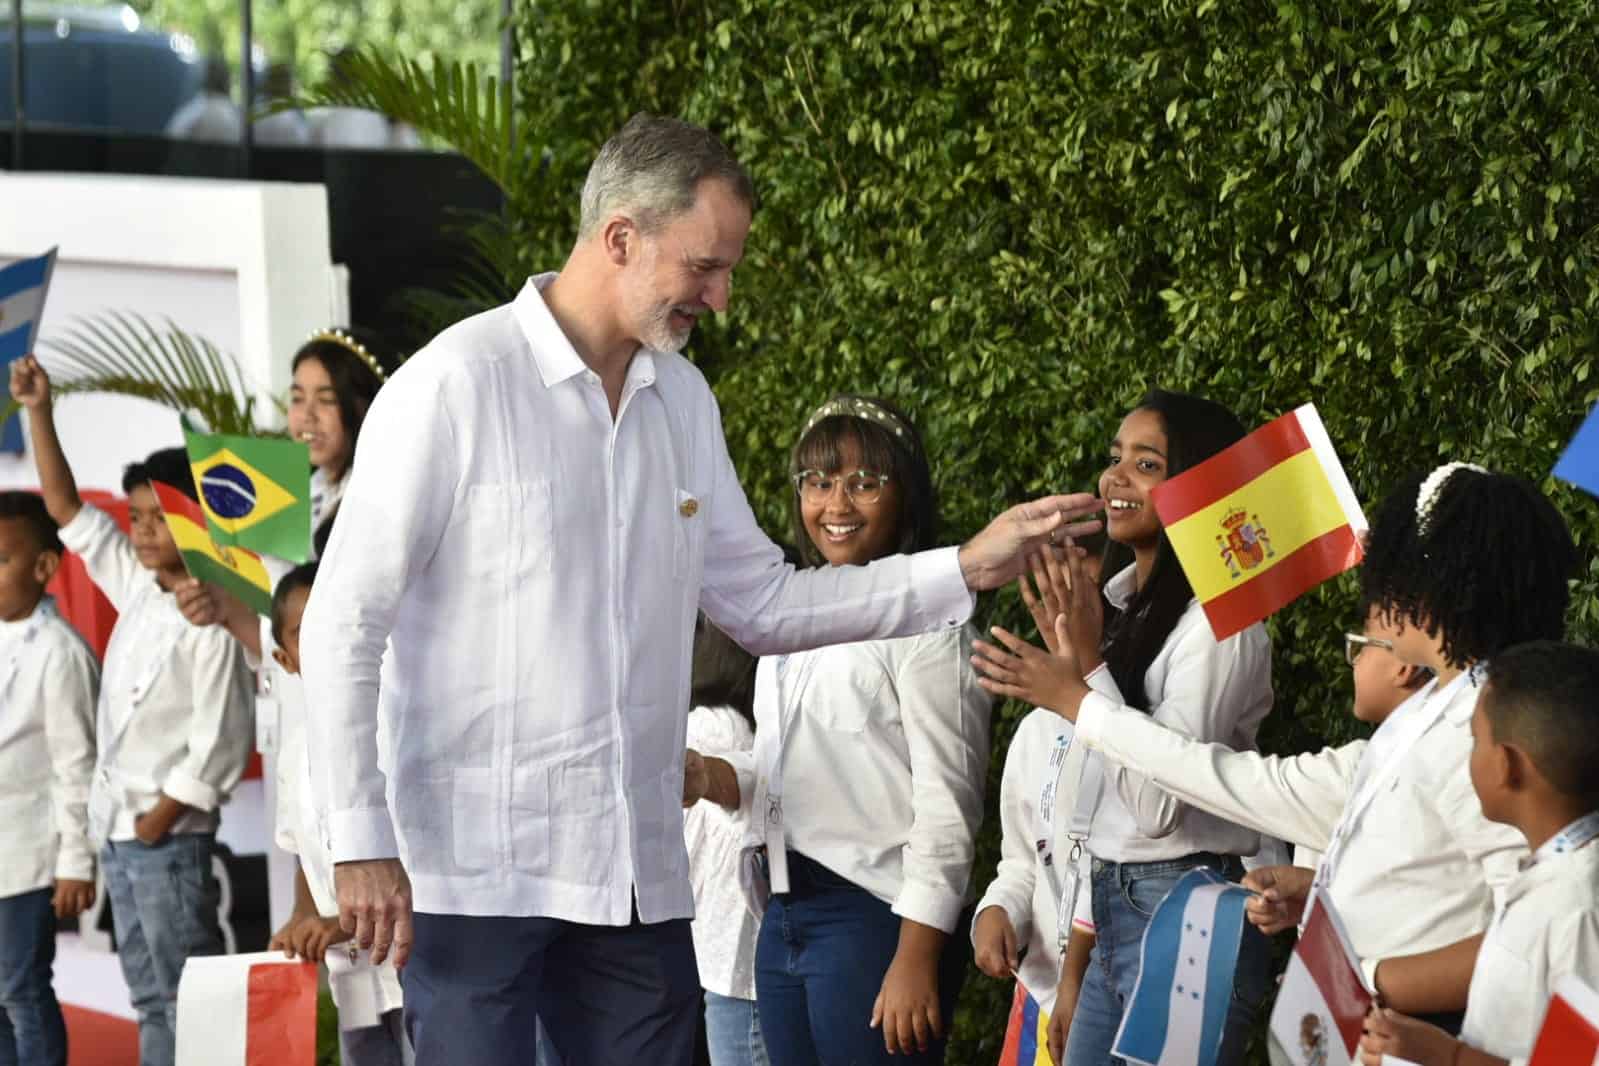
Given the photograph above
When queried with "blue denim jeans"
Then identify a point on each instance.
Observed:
(32, 1032)
(820, 958)
(733, 1031)
(1125, 896)
(164, 900)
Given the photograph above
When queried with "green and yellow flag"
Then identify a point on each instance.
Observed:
(255, 492)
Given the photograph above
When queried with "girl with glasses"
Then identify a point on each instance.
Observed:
(866, 782)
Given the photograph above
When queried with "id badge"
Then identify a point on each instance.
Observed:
(776, 848)
(1071, 882)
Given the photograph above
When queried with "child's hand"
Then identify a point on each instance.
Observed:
(907, 1004)
(994, 941)
(1060, 1019)
(1032, 676)
(72, 897)
(30, 385)
(197, 602)
(1284, 891)
(1052, 595)
(1390, 1033)
(696, 778)
(1085, 611)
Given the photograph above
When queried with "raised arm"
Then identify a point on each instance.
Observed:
(30, 386)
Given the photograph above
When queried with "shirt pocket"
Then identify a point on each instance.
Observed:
(582, 825)
(509, 530)
(844, 701)
(689, 523)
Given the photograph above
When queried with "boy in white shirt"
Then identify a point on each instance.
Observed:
(1535, 738)
(368, 997)
(175, 725)
(48, 684)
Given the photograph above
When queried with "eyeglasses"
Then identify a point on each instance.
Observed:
(1355, 643)
(863, 486)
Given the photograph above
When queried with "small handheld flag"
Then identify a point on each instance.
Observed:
(238, 570)
(255, 491)
(1178, 1012)
(1323, 999)
(1026, 1034)
(23, 286)
(1579, 463)
(1262, 522)
(1570, 1031)
(247, 1010)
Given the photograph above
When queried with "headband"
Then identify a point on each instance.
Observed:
(351, 345)
(1433, 487)
(860, 407)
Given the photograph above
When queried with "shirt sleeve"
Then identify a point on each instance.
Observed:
(393, 515)
(72, 681)
(107, 554)
(766, 605)
(1209, 686)
(1299, 798)
(1016, 876)
(1494, 846)
(945, 715)
(222, 727)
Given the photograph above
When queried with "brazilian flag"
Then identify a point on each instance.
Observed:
(255, 492)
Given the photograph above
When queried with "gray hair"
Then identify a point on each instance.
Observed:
(652, 168)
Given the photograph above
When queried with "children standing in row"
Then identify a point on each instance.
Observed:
(174, 729)
(49, 683)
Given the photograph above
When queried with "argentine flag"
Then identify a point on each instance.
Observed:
(22, 288)
(1178, 1012)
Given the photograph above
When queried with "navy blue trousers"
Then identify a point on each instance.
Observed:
(476, 989)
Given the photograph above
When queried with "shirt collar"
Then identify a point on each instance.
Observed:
(1120, 590)
(554, 355)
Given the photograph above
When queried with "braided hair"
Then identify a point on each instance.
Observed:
(1485, 568)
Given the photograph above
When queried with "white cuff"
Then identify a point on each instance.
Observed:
(362, 834)
(928, 905)
(190, 790)
(941, 591)
(74, 862)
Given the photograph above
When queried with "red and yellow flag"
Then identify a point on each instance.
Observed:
(1263, 522)
(238, 570)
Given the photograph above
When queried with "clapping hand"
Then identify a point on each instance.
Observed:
(1067, 609)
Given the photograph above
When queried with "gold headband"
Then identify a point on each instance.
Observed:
(860, 407)
(350, 344)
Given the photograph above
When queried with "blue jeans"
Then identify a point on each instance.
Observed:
(1125, 896)
(32, 1031)
(820, 958)
(479, 990)
(164, 900)
(733, 1031)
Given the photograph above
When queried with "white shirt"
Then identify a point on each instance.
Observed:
(176, 707)
(48, 684)
(538, 566)
(1548, 928)
(1196, 687)
(1026, 891)
(724, 928)
(884, 753)
(1418, 869)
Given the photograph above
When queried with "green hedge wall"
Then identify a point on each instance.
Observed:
(1012, 217)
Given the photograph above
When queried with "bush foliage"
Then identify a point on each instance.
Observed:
(1013, 217)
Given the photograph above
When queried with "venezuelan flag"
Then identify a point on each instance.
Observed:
(238, 570)
(1263, 522)
(255, 492)
(1027, 1034)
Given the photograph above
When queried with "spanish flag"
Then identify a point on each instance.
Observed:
(1263, 522)
(1026, 1033)
(238, 570)
(255, 491)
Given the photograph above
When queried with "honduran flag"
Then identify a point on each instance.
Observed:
(1263, 522)
(1570, 1032)
(1323, 999)
(23, 286)
(1027, 1034)
(247, 1010)
(238, 570)
(1178, 1012)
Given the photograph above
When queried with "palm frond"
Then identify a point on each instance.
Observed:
(449, 100)
(489, 273)
(124, 354)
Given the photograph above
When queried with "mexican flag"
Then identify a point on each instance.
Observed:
(255, 492)
(1323, 1000)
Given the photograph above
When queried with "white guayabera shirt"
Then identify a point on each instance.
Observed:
(537, 566)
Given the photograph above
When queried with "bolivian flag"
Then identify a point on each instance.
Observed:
(255, 492)
(238, 570)
(1263, 522)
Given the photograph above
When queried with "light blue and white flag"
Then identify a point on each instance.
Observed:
(23, 285)
(1178, 1012)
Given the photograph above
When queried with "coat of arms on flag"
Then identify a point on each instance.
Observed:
(1262, 522)
(247, 1010)
(1323, 999)
(238, 570)
(255, 492)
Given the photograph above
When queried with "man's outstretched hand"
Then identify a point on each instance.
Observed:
(998, 554)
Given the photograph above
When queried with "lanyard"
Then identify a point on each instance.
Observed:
(1576, 835)
(787, 682)
(1068, 875)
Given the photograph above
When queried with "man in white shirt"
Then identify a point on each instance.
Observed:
(540, 502)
